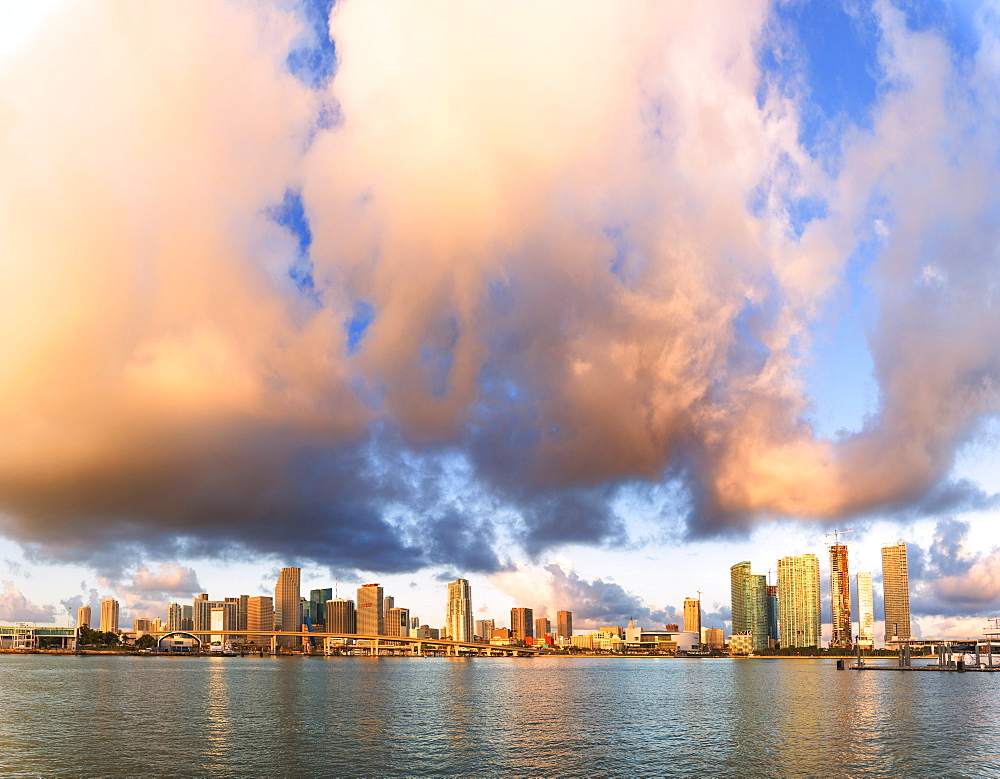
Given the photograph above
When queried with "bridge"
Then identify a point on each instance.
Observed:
(374, 645)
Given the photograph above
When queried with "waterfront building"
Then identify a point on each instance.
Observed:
(520, 623)
(370, 617)
(317, 605)
(288, 604)
(542, 628)
(109, 615)
(564, 624)
(749, 602)
(772, 615)
(459, 610)
(397, 622)
(219, 622)
(260, 616)
(866, 611)
(714, 638)
(83, 617)
(692, 615)
(484, 627)
(896, 588)
(341, 616)
(202, 607)
(840, 596)
(742, 643)
(799, 601)
(241, 610)
(141, 625)
(174, 612)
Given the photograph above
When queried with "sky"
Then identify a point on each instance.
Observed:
(584, 302)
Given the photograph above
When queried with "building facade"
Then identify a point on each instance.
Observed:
(83, 617)
(459, 610)
(260, 616)
(692, 615)
(288, 604)
(840, 596)
(866, 610)
(109, 615)
(799, 601)
(521, 627)
(397, 622)
(773, 612)
(896, 587)
(749, 600)
(341, 616)
(317, 605)
(370, 617)
(564, 624)
(174, 616)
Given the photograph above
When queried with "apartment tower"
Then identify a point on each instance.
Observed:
(896, 586)
(840, 596)
(520, 624)
(798, 598)
(692, 615)
(459, 619)
(749, 598)
(866, 611)
(109, 615)
(564, 624)
(83, 617)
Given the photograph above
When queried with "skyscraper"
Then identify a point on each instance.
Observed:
(317, 605)
(260, 616)
(485, 628)
(772, 615)
(83, 617)
(799, 602)
(174, 616)
(459, 618)
(520, 623)
(692, 615)
(749, 596)
(866, 611)
(288, 600)
(564, 624)
(896, 586)
(397, 622)
(840, 596)
(341, 616)
(371, 619)
(109, 615)
(542, 626)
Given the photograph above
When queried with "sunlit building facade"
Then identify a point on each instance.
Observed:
(260, 616)
(341, 616)
(692, 615)
(799, 619)
(866, 610)
(485, 628)
(459, 610)
(109, 615)
(174, 616)
(521, 626)
(288, 604)
(397, 622)
(83, 617)
(371, 619)
(840, 596)
(749, 601)
(564, 624)
(896, 588)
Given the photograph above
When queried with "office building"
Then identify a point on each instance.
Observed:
(799, 601)
(260, 616)
(866, 611)
(397, 622)
(141, 625)
(174, 612)
(840, 596)
(896, 589)
(459, 610)
(749, 600)
(370, 617)
(485, 628)
(187, 617)
(341, 616)
(288, 605)
(83, 617)
(241, 610)
(317, 605)
(109, 615)
(542, 628)
(771, 600)
(202, 608)
(520, 624)
(692, 615)
(564, 624)
(714, 638)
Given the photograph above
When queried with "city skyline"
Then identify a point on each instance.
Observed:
(616, 291)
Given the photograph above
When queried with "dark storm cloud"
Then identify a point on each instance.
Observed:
(949, 579)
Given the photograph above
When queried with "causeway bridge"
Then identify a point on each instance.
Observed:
(334, 643)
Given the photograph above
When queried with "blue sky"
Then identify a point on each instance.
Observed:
(586, 306)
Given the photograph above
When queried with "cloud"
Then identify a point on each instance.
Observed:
(408, 297)
(951, 581)
(15, 607)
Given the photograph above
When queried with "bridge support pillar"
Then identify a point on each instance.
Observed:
(274, 645)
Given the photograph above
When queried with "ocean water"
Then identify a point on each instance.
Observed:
(70, 716)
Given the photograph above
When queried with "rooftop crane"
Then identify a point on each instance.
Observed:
(837, 534)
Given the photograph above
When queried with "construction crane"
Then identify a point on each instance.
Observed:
(837, 534)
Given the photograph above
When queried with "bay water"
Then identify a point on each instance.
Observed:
(131, 716)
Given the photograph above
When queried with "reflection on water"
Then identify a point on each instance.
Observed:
(261, 717)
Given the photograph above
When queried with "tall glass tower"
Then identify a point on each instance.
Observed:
(866, 611)
(459, 611)
(798, 596)
(896, 584)
(288, 603)
(749, 596)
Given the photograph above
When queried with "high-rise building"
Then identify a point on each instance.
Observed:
(260, 616)
(866, 611)
(799, 601)
(772, 615)
(141, 625)
(840, 596)
(749, 594)
(241, 610)
(202, 609)
(542, 627)
(83, 617)
(174, 612)
(896, 587)
(714, 638)
(317, 605)
(187, 617)
(692, 615)
(520, 623)
(397, 622)
(564, 624)
(459, 619)
(371, 619)
(388, 602)
(484, 628)
(288, 602)
(109, 615)
(341, 616)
